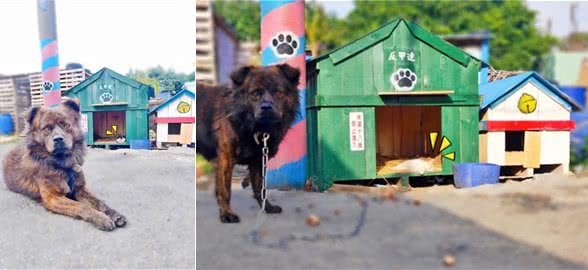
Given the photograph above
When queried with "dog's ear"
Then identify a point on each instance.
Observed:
(30, 115)
(292, 74)
(238, 76)
(72, 104)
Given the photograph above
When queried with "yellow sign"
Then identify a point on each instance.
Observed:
(184, 107)
(445, 143)
(109, 133)
(527, 103)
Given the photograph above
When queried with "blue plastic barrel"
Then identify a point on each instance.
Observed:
(475, 174)
(6, 124)
(140, 144)
(577, 93)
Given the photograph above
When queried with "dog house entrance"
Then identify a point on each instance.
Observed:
(109, 127)
(402, 139)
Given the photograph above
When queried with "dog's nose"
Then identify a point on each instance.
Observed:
(266, 106)
(57, 138)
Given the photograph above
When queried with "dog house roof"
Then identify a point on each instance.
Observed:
(115, 75)
(374, 37)
(495, 92)
(176, 96)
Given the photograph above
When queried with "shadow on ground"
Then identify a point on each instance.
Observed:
(396, 235)
(154, 189)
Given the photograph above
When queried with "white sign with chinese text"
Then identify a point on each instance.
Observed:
(84, 123)
(356, 131)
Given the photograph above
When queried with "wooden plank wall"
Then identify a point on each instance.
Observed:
(67, 78)
(403, 131)
(104, 120)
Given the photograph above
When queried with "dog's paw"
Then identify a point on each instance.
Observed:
(104, 223)
(273, 209)
(285, 44)
(404, 79)
(119, 219)
(229, 218)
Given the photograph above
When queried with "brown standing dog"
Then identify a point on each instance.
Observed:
(46, 167)
(261, 100)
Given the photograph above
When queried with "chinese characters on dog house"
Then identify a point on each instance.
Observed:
(525, 125)
(416, 97)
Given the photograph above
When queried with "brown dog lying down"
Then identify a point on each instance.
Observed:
(46, 167)
(261, 100)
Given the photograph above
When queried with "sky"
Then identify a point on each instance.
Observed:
(118, 34)
(121, 34)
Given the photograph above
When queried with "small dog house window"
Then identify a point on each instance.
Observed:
(515, 141)
(174, 128)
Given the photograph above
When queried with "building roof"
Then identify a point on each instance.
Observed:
(493, 93)
(475, 35)
(374, 37)
(117, 76)
(170, 100)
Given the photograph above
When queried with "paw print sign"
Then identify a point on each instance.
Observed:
(404, 79)
(47, 86)
(285, 44)
(106, 97)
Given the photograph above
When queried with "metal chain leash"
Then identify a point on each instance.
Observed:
(264, 160)
(263, 195)
(256, 235)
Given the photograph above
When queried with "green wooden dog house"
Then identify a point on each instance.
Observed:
(396, 103)
(114, 109)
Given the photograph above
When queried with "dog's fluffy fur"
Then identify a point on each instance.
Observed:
(261, 100)
(46, 166)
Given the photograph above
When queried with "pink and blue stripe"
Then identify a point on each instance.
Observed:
(288, 169)
(50, 71)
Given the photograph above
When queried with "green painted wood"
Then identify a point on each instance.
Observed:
(107, 90)
(351, 77)
(375, 100)
(88, 136)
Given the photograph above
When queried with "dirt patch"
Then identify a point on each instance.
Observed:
(529, 203)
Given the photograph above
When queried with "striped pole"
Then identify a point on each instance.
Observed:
(49, 56)
(283, 40)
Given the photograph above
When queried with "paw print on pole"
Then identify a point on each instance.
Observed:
(49, 55)
(283, 41)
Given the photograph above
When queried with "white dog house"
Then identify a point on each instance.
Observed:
(525, 125)
(175, 119)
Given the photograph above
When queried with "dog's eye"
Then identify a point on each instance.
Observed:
(279, 94)
(256, 93)
(64, 125)
(47, 128)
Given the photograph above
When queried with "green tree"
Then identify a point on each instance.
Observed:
(242, 16)
(516, 42)
(322, 29)
(160, 78)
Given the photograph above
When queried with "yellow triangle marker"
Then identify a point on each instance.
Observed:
(108, 132)
(114, 128)
(450, 156)
(433, 137)
(444, 144)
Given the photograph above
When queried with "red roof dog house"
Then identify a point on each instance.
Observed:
(525, 125)
(175, 119)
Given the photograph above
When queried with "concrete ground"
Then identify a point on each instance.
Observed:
(537, 224)
(153, 189)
